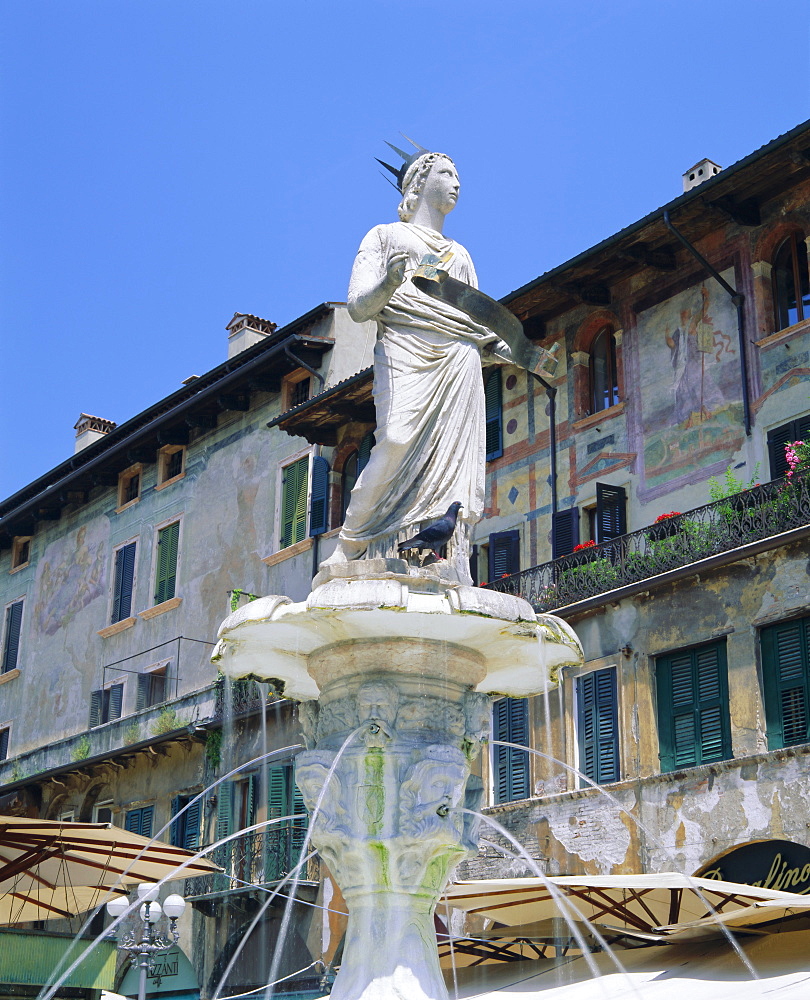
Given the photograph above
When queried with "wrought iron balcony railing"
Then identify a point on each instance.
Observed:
(753, 516)
(246, 697)
(253, 859)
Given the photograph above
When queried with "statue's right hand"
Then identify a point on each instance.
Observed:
(395, 268)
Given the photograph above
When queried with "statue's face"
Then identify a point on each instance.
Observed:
(442, 186)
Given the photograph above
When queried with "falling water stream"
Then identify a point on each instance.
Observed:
(568, 909)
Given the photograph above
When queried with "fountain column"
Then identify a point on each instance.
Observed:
(395, 669)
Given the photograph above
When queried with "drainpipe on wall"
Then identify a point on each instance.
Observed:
(551, 392)
(739, 300)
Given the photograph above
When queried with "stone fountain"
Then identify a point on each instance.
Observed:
(408, 663)
(395, 665)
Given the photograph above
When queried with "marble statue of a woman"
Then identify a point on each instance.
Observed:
(429, 446)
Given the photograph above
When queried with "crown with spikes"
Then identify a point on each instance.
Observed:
(409, 158)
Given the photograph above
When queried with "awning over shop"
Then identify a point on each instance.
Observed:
(52, 869)
(29, 958)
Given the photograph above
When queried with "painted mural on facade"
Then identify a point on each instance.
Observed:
(690, 399)
(70, 576)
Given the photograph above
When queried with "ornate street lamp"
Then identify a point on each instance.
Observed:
(150, 942)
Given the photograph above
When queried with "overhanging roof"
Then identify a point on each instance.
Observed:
(737, 193)
(228, 386)
(318, 418)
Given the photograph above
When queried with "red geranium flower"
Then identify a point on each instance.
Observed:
(664, 517)
(585, 545)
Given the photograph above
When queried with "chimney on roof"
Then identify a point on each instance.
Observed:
(89, 429)
(701, 172)
(245, 330)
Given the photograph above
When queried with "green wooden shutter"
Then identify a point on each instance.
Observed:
(294, 502)
(176, 828)
(225, 810)
(611, 512)
(504, 554)
(132, 821)
(299, 826)
(144, 688)
(364, 451)
(124, 577)
(511, 723)
(598, 726)
(564, 531)
(494, 414)
(116, 698)
(11, 648)
(4, 743)
(786, 673)
(147, 815)
(693, 715)
(96, 704)
(319, 497)
(166, 577)
(275, 855)
(191, 834)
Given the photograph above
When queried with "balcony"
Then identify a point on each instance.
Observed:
(721, 532)
(250, 860)
(239, 698)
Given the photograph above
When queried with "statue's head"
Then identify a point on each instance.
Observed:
(432, 176)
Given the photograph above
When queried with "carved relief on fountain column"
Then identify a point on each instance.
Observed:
(387, 808)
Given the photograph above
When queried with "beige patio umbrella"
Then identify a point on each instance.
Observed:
(530, 913)
(50, 868)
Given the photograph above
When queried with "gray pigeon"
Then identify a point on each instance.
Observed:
(434, 535)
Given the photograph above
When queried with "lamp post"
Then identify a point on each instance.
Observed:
(150, 942)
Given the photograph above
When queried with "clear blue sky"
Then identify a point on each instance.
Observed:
(166, 163)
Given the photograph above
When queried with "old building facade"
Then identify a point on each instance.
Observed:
(684, 344)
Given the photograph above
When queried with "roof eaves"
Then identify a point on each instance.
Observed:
(314, 400)
(672, 206)
(166, 409)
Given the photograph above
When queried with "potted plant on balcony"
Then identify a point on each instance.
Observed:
(665, 526)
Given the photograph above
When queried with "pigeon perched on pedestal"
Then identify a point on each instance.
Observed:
(434, 535)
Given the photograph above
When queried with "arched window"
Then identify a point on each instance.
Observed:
(791, 282)
(604, 375)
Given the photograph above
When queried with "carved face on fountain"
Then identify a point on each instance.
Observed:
(378, 702)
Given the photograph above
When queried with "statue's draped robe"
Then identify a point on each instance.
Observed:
(430, 446)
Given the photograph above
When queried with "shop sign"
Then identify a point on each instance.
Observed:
(768, 864)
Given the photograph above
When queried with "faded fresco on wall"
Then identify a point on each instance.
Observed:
(69, 576)
(690, 384)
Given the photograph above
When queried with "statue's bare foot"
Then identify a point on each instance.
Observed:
(345, 552)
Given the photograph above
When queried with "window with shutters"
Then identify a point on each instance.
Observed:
(129, 486)
(510, 765)
(123, 582)
(21, 551)
(152, 687)
(786, 680)
(11, 636)
(693, 714)
(611, 512)
(355, 462)
(604, 378)
(140, 820)
(286, 837)
(791, 282)
(564, 532)
(494, 413)
(171, 464)
(168, 541)
(294, 489)
(319, 497)
(106, 703)
(185, 827)
(5, 735)
(504, 554)
(793, 430)
(598, 726)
